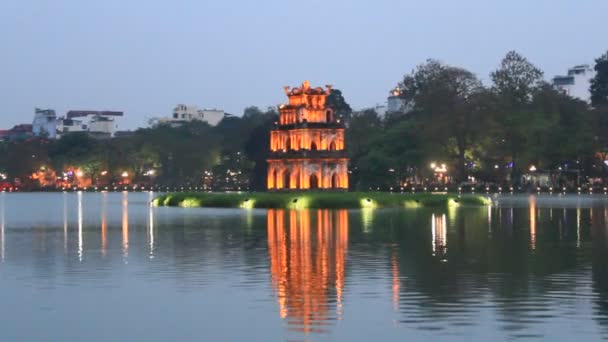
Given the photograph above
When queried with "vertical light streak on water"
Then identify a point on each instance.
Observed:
(367, 217)
(65, 222)
(444, 234)
(489, 219)
(151, 224)
(433, 237)
(532, 203)
(578, 227)
(396, 283)
(561, 233)
(2, 225)
(439, 234)
(80, 242)
(104, 223)
(125, 225)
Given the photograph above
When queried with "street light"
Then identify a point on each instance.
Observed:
(532, 168)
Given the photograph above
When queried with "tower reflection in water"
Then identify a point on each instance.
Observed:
(307, 251)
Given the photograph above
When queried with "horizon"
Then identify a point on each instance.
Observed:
(144, 60)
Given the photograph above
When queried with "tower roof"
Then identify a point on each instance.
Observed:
(307, 89)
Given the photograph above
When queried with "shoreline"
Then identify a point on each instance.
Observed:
(316, 200)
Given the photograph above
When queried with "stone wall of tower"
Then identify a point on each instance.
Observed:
(322, 139)
(307, 146)
(301, 174)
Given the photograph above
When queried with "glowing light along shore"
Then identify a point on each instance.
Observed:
(307, 144)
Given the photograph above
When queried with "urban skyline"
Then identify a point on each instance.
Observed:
(231, 56)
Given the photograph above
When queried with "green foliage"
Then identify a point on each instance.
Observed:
(516, 79)
(599, 84)
(448, 108)
(321, 200)
(24, 158)
(336, 101)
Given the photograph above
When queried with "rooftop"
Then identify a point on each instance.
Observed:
(81, 113)
(307, 89)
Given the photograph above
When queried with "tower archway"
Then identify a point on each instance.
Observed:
(332, 146)
(313, 146)
(314, 181)
(297, 179)
(334, 181)
(286, 179)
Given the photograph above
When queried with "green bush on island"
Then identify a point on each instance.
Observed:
(346, 200)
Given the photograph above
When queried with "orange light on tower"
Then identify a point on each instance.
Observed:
(307, 145)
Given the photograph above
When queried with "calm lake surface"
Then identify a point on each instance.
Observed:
(108, 267)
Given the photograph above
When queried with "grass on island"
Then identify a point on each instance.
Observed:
(324, 200)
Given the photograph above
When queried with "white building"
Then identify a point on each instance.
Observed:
(99, 124)
(45, 123)
(395, 103)
(65, 126)
(577, 82)
(184, 113)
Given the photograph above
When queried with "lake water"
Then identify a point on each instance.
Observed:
(108, 267)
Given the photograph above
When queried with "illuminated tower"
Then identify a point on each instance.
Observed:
(307, 144)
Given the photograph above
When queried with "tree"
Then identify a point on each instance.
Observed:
(364, 127)
(257, 148)
(599, 83)
(599, 101)
(336, 101)
(516, 79)
(515, 82)
(448, 108)
(25, 158)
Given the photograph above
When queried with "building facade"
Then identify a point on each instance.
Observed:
(45, 123)
(576, 83)
(307, 144)
(185, 113)
(395, 103)
(98, 124)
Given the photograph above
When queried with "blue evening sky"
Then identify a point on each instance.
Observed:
(144, 57)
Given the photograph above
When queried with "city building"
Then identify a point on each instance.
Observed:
(98, 124)
(18, 133)
(4, 134)
(307, 144)
(65, 126)
(577, 82)
(185, 113)
(395, 103)
(45, 123)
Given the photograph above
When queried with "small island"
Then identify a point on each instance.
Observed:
(317, 200)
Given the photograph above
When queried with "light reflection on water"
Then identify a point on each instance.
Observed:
(526, 268)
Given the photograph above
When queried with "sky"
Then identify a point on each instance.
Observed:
(144, 57)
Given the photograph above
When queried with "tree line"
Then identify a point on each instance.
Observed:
(492, 133)
(495, 133)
